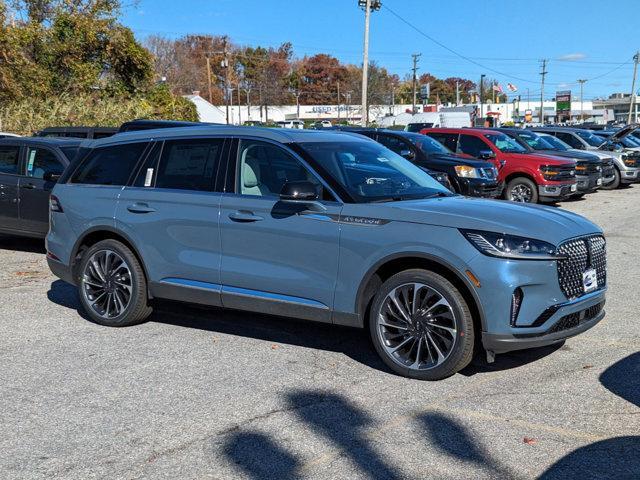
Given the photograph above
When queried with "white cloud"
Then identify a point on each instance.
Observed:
(570, 57)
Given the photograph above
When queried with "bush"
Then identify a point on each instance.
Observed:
(27, 116)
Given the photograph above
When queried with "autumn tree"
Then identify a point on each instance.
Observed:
(319, 76)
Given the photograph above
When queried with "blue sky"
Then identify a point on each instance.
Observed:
(582, 39)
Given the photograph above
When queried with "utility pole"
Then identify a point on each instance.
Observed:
(416, 57)
(457, 92)
(348, 96)
(248, 92)
(209, 79)
(368, 6)
(338, 101)
(239, 106)
(482, 96)
(581, 82)
(225, 65)
(636, 57)
(543, 73)
(297, 94)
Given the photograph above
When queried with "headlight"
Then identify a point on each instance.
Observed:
(581, 168)
(629, 162)
(466, 171)
(511, 246)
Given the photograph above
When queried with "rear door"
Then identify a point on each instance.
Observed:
(9, 186)
(35, 190)
(171, 213)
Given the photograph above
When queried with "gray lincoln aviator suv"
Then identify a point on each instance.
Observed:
(324, 226)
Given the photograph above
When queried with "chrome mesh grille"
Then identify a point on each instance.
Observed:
(582, 254)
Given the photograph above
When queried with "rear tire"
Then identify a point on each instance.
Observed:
(522, 190)
(428, 335)
(112, 285)
(616, 182)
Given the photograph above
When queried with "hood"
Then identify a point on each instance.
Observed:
(623, 132)
(460, 160)
(576, 155)
(539, 157)
(549, 224)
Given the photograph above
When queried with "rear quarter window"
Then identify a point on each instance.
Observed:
(110, 165)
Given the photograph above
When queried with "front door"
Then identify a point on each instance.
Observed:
(278, 257)
(9, 181)
(35, 190)
(171, 214)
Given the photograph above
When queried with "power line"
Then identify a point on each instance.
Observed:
(464, 57)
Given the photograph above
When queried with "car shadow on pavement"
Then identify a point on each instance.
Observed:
(22, 244)
(509, 360)
(352, 342)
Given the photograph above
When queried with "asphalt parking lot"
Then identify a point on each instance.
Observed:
(197, 394)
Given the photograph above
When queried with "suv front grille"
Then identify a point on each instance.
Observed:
(582, 254)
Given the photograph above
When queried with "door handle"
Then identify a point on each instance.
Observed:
(140, 208)
(244, 216)
(28, 186)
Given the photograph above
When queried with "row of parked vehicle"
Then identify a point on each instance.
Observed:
(323, 225)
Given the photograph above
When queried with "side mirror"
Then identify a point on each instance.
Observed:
(50, 177)
(486, 154)
(299, 191)
(408, 154)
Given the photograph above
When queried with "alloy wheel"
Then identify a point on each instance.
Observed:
(106, 284)
(521, 193)
(417, 326)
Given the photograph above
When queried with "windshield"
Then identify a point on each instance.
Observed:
(630, 142)
(505, 144)
(556, 143)
(590, 138)
(426, 144)
(535, 141)
(416, 127)
(370, 172)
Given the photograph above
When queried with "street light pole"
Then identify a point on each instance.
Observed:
(636, 57)
(368, 5)
(582, 82)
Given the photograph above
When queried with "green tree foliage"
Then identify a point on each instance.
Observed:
(74, 51)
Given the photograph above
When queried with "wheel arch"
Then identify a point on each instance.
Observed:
(97, 234)
(390, 265)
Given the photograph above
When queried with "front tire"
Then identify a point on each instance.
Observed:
(421, 326)
(522, 190)
(112, 285)
(616, 182)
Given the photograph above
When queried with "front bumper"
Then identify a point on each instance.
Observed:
(477, 187)
(569, 320)
(589, 183)
(557, 191)
(630, 175)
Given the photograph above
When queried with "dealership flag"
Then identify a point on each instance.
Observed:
(512, 87)
(497, 88)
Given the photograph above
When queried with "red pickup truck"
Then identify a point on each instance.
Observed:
(529, 177)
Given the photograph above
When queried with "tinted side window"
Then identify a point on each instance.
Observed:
(471, 145)
(148, 170)
(570, 139)
(41, 161)
(189, 164)
(265, 168)
(9, 159)
(110, 165)
(449, 140)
